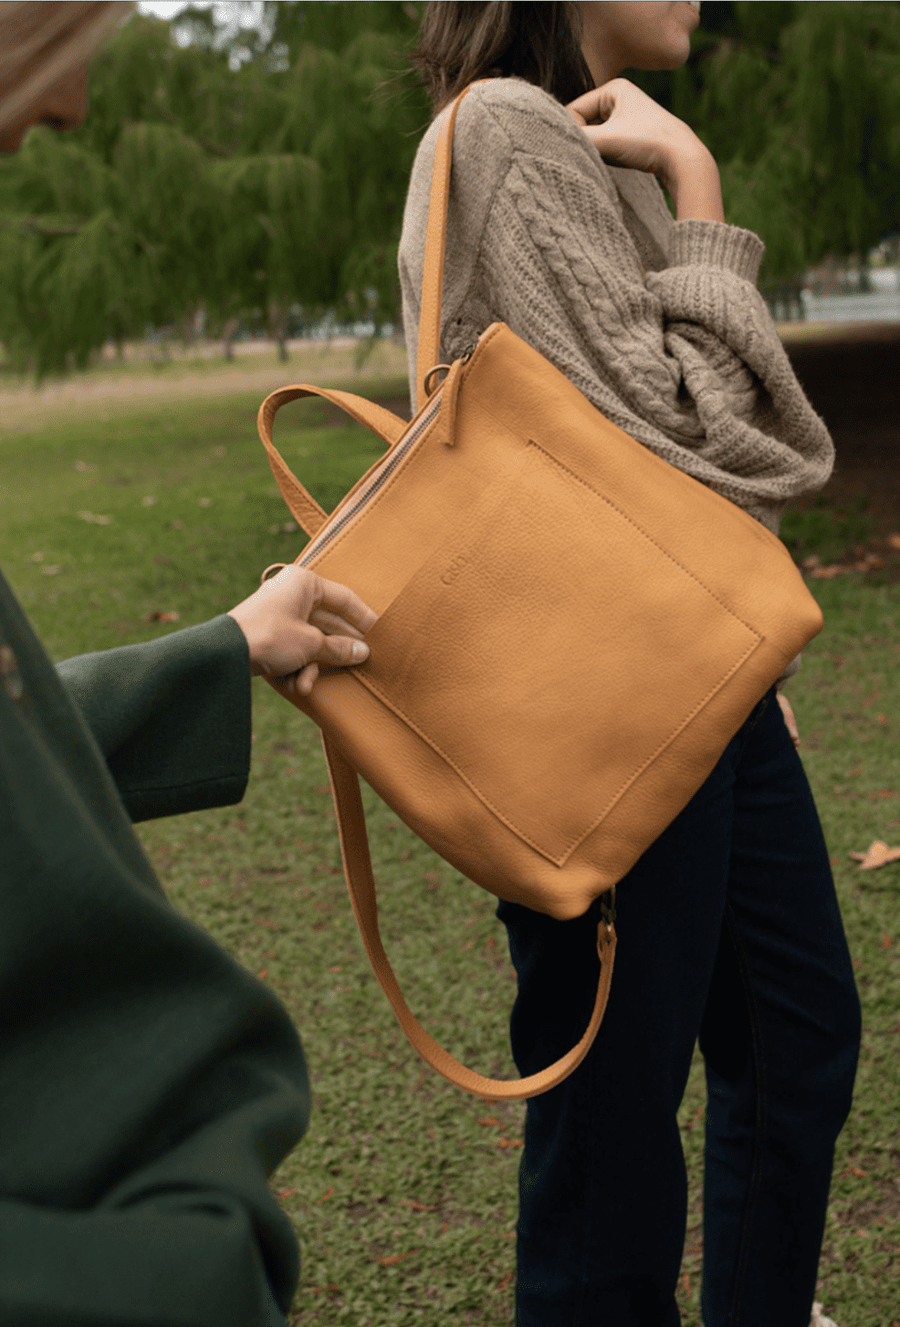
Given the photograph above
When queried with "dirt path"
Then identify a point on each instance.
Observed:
(110, 390)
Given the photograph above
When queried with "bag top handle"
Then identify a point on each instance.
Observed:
(433, 276)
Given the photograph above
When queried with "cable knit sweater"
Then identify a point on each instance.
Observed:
(543, 235)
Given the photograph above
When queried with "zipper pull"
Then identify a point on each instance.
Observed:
(449, 389)
(446, 421)
(450, 392)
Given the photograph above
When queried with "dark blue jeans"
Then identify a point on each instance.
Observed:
(729, 931)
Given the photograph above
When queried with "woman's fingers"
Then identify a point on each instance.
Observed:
(298, 619)
(344, 605)
(331, 624)
(630, 129)
(594, 105)
(789, 719)
(303, 681)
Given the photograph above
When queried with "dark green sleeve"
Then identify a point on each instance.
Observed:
(171, 717)
(151, 1084)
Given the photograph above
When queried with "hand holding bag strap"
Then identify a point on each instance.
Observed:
(361, 883)
(302, 505)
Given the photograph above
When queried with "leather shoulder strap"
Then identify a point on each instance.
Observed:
(433, 275)
(361, 883)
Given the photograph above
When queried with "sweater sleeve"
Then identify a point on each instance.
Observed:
(151, 1084)
(685, 358)
(171, 717)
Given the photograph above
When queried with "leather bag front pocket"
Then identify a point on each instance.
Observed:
(543, 648)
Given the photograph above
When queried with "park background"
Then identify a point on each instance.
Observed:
(227, 221)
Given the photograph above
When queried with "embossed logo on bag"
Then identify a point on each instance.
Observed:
(9, 672)
(454, 569)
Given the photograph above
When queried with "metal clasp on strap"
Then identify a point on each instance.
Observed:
(609, 912)
(437, 368)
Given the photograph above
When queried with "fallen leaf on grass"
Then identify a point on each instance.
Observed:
(161, 617)
(886, 941)
(852, 1170)
(332, 1289)
(392, 1259)
(689, 1124)
(418, 1207)
(286, 1193)
(324, 1196)
(488, 1121)
(828, 573)
(877, 854)
(93, 519)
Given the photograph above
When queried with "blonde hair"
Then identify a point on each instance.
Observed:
(42, 40)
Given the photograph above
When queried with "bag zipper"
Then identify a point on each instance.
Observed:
(322, 541)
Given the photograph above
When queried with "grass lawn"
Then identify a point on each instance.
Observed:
(403, 1192)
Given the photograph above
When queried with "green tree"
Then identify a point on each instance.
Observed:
(293, 24)
(242, 190)
(105, 230)
(248, 173)
(90, 249)
(800, 105)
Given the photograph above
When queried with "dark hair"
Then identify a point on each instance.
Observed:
(461, 42)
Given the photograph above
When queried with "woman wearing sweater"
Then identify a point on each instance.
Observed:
(151, 1084)
(729, 926)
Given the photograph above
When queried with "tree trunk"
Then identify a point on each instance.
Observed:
(228, 332)
(278, 329)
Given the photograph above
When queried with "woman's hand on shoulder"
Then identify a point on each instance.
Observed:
(298, 620)
(628, 128)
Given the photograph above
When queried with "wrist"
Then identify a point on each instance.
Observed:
(695, 187)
